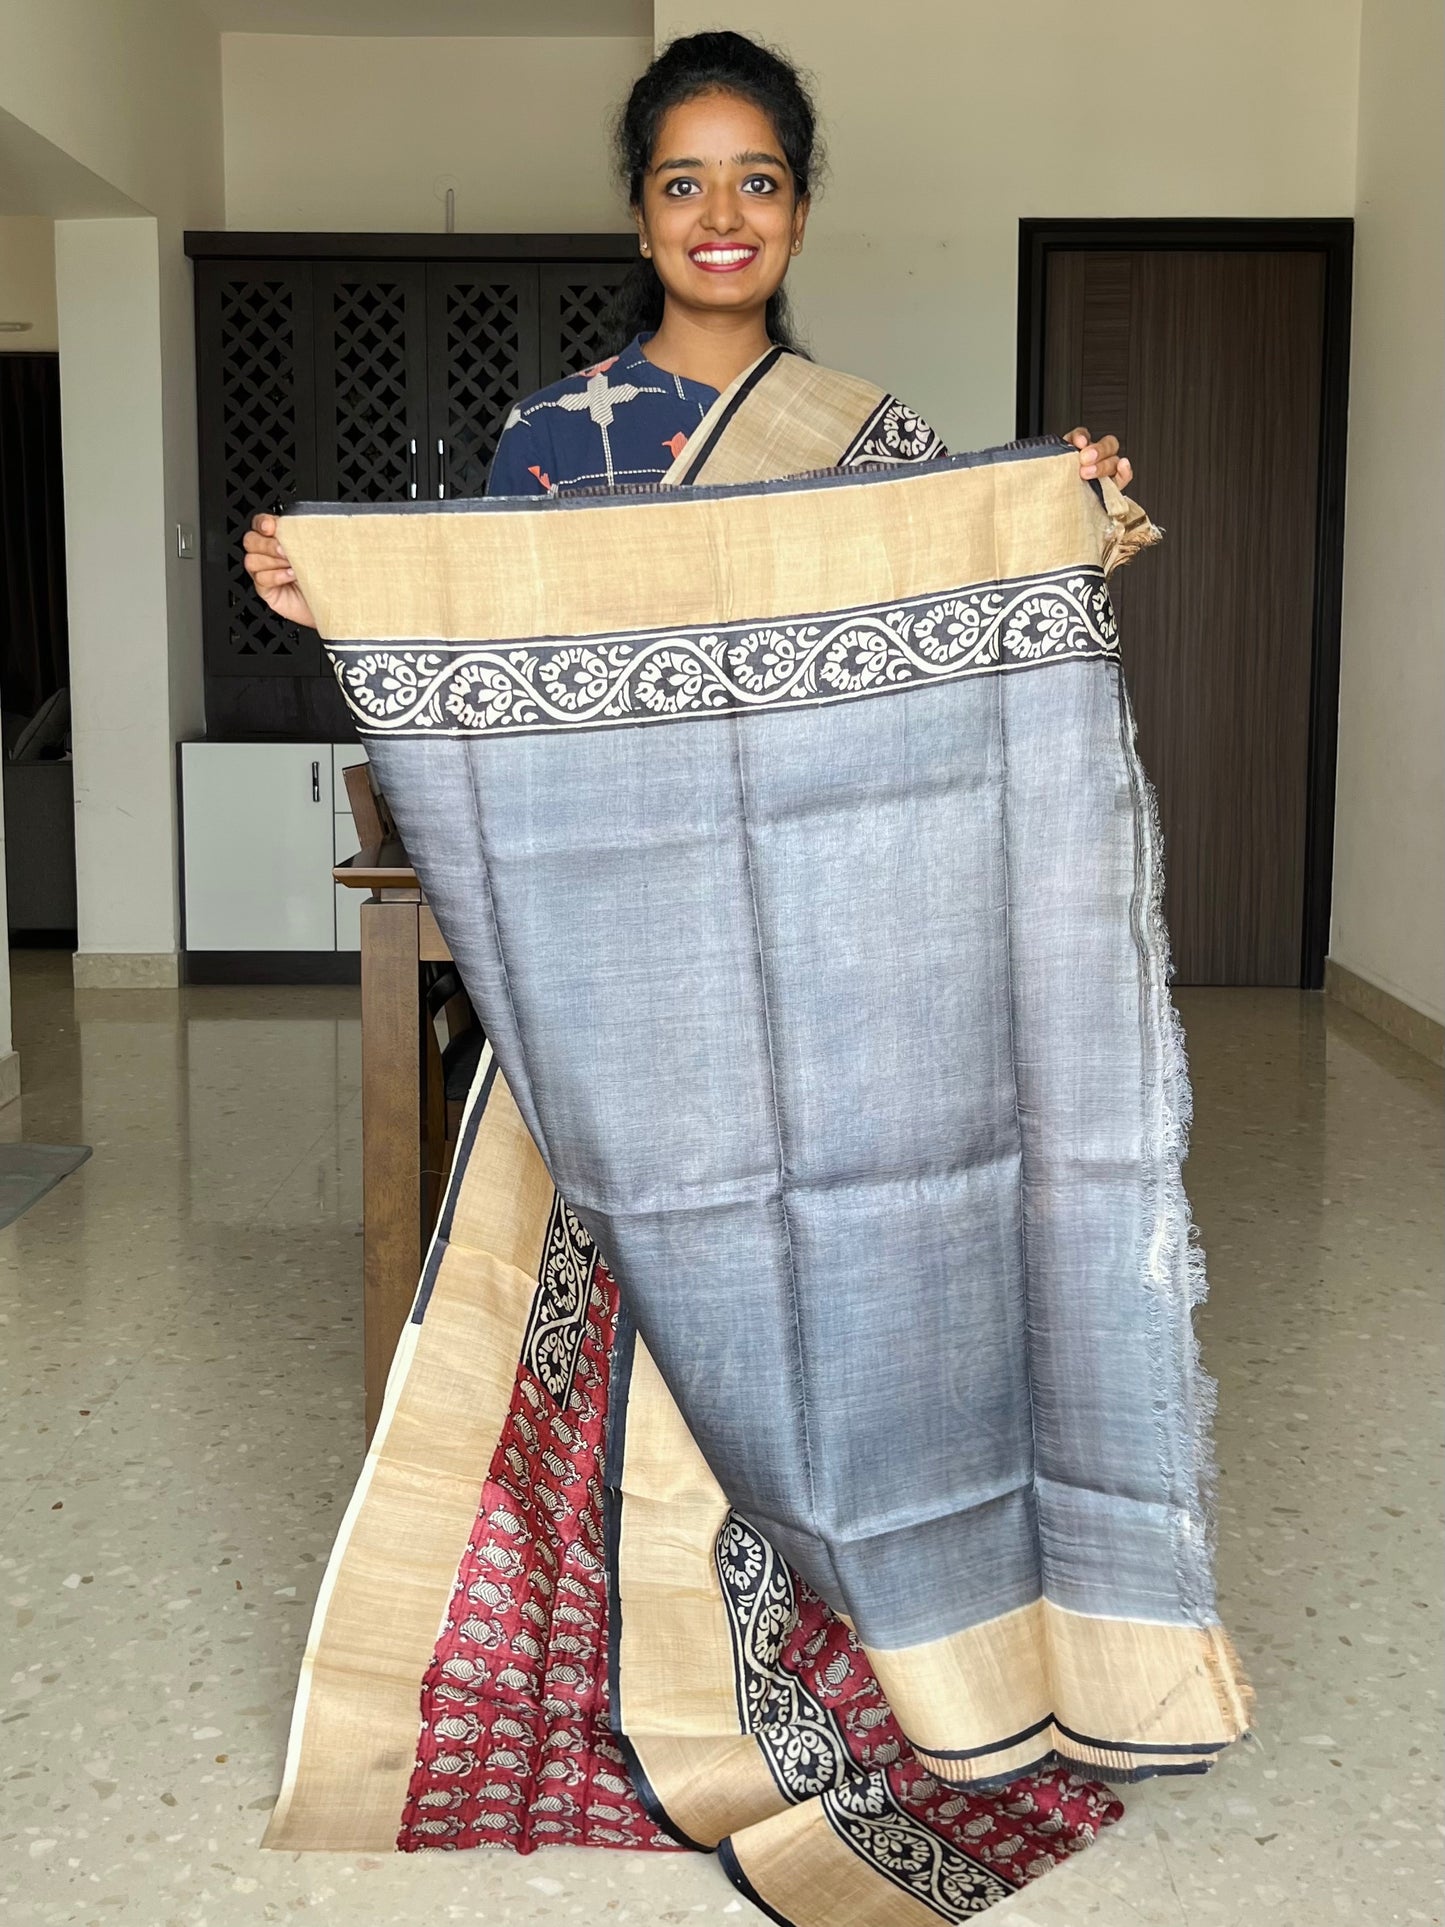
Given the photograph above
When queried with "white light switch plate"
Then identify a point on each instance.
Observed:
(185, 541)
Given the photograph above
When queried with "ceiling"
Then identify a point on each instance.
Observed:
(426, 18)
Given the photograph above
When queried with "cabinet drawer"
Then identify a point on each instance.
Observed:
(257, 825)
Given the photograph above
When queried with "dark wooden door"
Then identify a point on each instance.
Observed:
(326, 377)
(482, 355)
(573, 307)
(371, 395)
(1208, 364)
(256, 420)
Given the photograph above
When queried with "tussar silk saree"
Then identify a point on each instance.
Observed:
(798, 1447)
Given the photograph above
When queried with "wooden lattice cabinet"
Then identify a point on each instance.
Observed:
(361, 368)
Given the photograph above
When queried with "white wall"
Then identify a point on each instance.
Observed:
(130, 91)
(126, 87)
(946, 122)
(1390, 820)
(108, 278)
(27, 281)
(353, 133)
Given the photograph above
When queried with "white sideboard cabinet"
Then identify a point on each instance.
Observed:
(262, 824)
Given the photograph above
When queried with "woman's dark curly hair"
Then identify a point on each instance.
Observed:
(708, 63)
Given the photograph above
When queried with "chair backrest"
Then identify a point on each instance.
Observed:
(368, 806)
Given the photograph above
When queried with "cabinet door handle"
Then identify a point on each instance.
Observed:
(411, 468)
(316, 782)
(441, 469)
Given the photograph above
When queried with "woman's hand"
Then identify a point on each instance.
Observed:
(1101, 457)
(272, 574)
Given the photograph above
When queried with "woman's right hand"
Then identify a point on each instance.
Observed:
(273, 575)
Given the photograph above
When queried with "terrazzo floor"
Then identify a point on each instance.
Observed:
(181, 1427)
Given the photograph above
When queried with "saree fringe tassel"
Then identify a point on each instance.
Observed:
(793, 843)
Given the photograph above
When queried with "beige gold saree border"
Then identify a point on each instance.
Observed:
(684, 558)
(1123, 1698)
(388, 1582)
(674, 1696)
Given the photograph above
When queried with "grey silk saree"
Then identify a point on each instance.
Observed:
(809, 1315)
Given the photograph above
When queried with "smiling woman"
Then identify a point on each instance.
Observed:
(588, 1591)
(717, 147)
(717, 150)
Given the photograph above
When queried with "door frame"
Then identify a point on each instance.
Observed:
(1334, 239)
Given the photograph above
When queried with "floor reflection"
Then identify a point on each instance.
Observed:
(181, 1424)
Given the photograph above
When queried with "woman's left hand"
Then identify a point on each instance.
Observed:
(1101, 457)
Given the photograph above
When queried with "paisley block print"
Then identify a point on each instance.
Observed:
(809, 1697)
(515, 1749)
(894, 433)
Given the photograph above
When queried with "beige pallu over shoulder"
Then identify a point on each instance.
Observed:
(783, 415)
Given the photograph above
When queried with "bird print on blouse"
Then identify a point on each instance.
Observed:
(620, 421)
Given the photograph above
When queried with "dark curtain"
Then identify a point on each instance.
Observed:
(34, 656)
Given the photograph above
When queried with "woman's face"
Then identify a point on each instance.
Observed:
(719, 214)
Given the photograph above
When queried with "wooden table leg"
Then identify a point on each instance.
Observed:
(391, 1095)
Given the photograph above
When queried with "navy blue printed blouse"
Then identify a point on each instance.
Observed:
(621, 421)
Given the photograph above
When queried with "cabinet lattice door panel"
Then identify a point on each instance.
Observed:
(257, 423)
(371, 382)
(325, 378)
(574, 308)
(482, 355)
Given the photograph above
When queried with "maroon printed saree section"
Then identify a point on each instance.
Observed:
(390, 1578)
(515, 1746)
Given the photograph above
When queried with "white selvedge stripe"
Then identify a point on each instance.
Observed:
(644, 676)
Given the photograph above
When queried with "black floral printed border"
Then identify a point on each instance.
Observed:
(515, 688)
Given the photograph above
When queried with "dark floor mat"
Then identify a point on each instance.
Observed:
(27, 1172)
